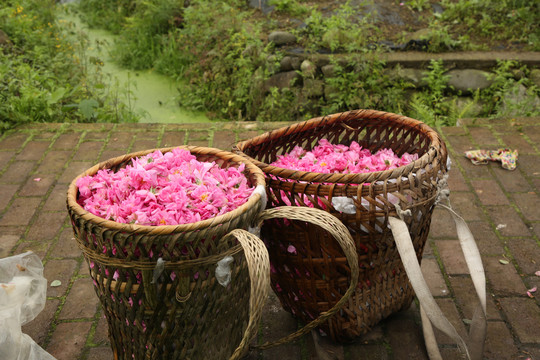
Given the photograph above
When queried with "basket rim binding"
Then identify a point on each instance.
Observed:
(436, 148)
(253, 200)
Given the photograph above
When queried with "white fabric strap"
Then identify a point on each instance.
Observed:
(429, 310)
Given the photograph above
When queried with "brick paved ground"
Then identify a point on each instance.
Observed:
(501, 208)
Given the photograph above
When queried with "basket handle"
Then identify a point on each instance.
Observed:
(342, 235)
(259, 273)
(430, 312)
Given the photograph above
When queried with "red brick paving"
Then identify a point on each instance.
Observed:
(500, 206)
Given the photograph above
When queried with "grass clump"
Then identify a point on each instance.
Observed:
(42, 76)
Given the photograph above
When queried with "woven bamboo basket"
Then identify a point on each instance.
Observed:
(319, 268)
(181, 312)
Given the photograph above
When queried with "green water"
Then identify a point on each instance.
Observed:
(152, 94)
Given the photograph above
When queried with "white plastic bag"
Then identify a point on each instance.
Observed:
(23, 291)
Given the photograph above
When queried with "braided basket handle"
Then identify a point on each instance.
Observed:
(473, 345)
(342, 235)
(259, 273)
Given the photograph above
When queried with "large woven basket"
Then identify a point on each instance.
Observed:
(319, 267)
(174, 308)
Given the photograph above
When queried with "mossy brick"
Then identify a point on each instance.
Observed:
(120, 140)
(54, 162)
(68, 340)
(528, 164)
(224, 140)
(523, 315)
(277, 323)
(533, 132)
(512, 181)
(88, 151)
(463, 203)
(173, 138)
(198, 138)
(472, 171)
(405, 336)
(486, 240)
(483, 137)
(6, 194)
(503, 279)
(434, 279)
(453, 130)
(527, 254)
(33, 150)
(110, 154)
(460, 143)
(82, 292)
(17, 172)
(74, 169)
(5, 158)
(61, 270)
(46, 226)
(442, 224)
(507, 221)
(247, 135)
(456, 181)
(450, 311)
(44, 135)
(39, 248)
(13, 141)
(56, 201)
(452, 257)
(367, 352)
(20, 212)
(36, 186)
(467, 299)
(65, 246)
(100, 353)
(489, 192)
(499, 343)
(67, 141)
(519, 143)
(528, 205)
(7, 242)
(144, 144)
(101, 334)
(38, 328)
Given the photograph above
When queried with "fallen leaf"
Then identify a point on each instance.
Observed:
(504, 262)
(56, 283)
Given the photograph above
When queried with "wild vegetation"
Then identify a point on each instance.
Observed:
(45, 75)
(220, 50)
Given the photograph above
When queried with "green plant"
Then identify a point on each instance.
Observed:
(42, 76)
(343, 31)
(291, 7)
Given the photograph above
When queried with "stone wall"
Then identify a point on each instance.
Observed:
(467, 72)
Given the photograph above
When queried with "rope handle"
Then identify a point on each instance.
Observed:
(258, 263)
(429, 310)
(342, 235)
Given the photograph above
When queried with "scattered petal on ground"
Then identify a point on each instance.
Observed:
(56, 283)
(37, 179)
(531, 291)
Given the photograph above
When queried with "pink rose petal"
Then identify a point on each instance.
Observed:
(37, 179)
(291, 249)
(531, 291)
(537, 273)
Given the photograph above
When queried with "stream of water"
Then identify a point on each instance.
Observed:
(152, 94)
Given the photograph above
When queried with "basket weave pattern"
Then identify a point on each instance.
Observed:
(310, 279)
(181, 312)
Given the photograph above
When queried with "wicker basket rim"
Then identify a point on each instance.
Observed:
(357, 178)
(74, 206)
